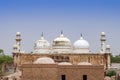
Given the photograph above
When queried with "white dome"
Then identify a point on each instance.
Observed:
(61, 42)
(15, 46)
(102, 33)
(84, 63)
(42, 43)
(64, 63)
(44, 60)
(81, 43)
(62, 38)
(18, 33)
(107, 46)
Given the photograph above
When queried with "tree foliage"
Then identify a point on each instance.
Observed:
(111, 73)
(1, 52)
(115, 59)
(4, 61)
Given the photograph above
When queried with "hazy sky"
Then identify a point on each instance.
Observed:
(32, 17)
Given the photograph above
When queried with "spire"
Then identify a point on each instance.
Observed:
(42, 34)
(81, 36)
(61, 32)
(61, 35)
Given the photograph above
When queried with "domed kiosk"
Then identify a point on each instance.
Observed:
(64, 63)
(44, 60)
(42, 46)
(61, 44)
(81, 46)
(84, 63)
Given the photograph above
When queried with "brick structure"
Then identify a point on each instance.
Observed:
(62, 72)
(62, 51)
(93, 58)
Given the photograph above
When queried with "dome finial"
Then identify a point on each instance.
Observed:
(42, 34)
(61, 35)
(81, 37)
(61, 31)
(18, 34)
(81, 34)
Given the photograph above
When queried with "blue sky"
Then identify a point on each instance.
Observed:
(32, 17)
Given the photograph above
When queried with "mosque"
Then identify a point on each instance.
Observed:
(62, 59)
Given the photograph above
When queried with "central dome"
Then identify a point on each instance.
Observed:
(62, 38)
(61, 44)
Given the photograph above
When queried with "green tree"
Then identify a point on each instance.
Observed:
(1, 52)
(5, 60)
(115, 59)
(111, 73)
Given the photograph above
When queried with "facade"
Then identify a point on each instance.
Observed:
(62, 72)
(62, 50)
(62, 60)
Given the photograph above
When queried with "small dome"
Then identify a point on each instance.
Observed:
(81, 43)
(84, 63)
(44, 60)
(102, 33)
(15, 46)
(42, 43)
(64, 63)
(107, 46)
(18, 33)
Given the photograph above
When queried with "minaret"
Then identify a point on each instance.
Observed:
(103, 45)
(15, 48)
(107, 48)
(18, 40)
(108, 56)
